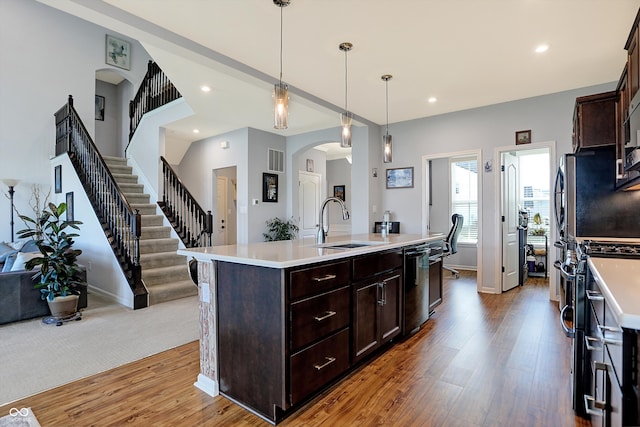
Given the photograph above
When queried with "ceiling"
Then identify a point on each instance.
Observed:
(465, 53)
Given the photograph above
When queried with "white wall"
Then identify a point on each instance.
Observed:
(107, 131)
(549, 117)
(339, 173)
(55, 55)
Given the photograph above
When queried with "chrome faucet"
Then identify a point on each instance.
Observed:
(345, 215)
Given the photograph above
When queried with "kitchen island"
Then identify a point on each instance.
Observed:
(281, 321)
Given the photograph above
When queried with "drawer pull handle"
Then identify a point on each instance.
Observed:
(594, 295)
(589, 341)
(329, 361)
(322, 279)
(602, 329)
(590, 401)
(326, 316)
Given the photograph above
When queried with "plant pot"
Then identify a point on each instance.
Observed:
(64, 306)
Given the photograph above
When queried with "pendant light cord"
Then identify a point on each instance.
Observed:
(346, 82)
(386, 90)
(281, 44)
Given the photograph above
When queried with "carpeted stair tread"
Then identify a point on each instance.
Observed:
(137, 198)
(155, 232)
(171, 291)
(151, 220)
(125, 178)
(144, 208)
(158, 245)
(131, 188)
(158, 276)
(162, 259)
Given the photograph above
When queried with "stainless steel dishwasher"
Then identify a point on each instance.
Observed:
(416, 287)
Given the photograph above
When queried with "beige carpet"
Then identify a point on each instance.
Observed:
(37, 357)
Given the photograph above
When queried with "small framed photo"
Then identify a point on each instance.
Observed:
(118, 52)
(99, 107)
(309, 165)
(400, 178)
(338, 191)
(269, 187)
(523, 137)
(58, 179)
(69, 201)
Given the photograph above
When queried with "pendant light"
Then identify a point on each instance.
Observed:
(345, 117)
(387, 140)
(281, 90)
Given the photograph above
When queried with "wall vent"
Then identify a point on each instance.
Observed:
(275, 161)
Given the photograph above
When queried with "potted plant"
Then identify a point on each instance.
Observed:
(58, 267)
(278, 229)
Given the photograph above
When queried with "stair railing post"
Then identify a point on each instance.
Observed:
(209, 227)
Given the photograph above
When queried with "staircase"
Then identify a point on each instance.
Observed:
(164, 272)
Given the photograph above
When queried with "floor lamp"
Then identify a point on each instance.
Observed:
(11, 183)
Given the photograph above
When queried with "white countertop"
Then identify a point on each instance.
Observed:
(619, 281)
(291, 253)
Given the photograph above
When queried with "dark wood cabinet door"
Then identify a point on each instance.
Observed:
(390, 306)
(365, 318)
(595, 120)
(634, 63)
(435, 284)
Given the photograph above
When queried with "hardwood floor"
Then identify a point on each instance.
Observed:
(482, 360)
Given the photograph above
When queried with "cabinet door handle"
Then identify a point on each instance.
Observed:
(327, 314)
(323, 278)
(594, 295)
(382, 294)
(329, 361)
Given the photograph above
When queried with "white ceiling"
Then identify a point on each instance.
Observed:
(466, 53)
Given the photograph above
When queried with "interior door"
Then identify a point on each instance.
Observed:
(510, 267)
(309, 204)
(220, 221)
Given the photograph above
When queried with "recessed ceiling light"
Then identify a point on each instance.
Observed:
(196, 131)
(205, 88)
(542, 48)
(432, 99)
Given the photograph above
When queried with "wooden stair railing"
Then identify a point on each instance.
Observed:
(122, 225)
(155, 91)
(191, 222)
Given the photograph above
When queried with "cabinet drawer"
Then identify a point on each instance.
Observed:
(370, 265)
(314, 367)
(314, 280)
(316, 317)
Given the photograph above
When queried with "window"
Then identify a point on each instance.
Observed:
(464, 196)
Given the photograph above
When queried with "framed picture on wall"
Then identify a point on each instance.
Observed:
(269, 187)
(118, 52)
(338, 191)
(400, 178)
(69, 201)
(99, 107)
(523, 137)
(57, 175)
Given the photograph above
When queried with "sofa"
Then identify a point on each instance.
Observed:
(19, 300)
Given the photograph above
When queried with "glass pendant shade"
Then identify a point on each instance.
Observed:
(281, 105)
(345, 121)
(387, 148)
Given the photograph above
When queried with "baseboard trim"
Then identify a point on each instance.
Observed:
(207, 385)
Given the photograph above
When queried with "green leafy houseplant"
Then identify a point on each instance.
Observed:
(278, 229)
(58, 266)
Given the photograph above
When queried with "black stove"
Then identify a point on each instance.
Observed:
(610, 249)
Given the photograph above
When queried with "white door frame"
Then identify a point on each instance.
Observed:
(553, 279)
(425, 201)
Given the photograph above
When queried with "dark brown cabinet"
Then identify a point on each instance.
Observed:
(435, 284)
(285, 334)
(594, 121)
(633, 57)
(377, 301)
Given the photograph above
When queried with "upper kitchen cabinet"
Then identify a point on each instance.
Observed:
(622, 125)
(594, 121)
(633, 61)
